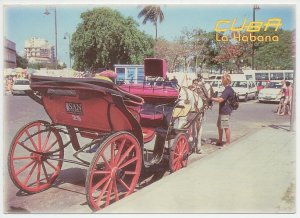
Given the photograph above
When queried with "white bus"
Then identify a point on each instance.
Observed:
(270, 75)
(262, 77)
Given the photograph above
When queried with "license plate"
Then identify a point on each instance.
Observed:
(74, 108)
(267, 97)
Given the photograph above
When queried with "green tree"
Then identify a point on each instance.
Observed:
(168, 50)
(275, 55)
(213, 50)
(234, 55)
(152, 13)
(22, 62)
(39, 65)
(105, 37)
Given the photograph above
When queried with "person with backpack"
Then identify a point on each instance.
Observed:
(227, 102)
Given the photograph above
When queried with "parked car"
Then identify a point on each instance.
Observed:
(261, 84)
(245, 88)
(20, 86)
(270, 93)
(217, 86)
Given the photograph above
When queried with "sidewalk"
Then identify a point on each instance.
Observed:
(256, 174)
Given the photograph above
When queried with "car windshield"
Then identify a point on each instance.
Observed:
(242, 84)
(261, 83)
(21, 82)
(214, 84)
(273, 85)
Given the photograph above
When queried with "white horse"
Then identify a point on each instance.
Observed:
(192, 101)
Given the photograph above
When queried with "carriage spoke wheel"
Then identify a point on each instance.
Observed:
(34, 172)
(179, 153)
(114, 170)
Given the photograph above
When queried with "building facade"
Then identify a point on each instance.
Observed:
(39, 50)
(130, 73)
(10, 54)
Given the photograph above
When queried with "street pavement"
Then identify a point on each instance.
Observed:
(255, 174)
(67, 195)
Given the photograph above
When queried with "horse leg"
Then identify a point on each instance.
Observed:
(199, 134)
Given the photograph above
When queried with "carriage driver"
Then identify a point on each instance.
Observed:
(224, 110)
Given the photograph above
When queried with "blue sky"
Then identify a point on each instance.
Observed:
(24, 22)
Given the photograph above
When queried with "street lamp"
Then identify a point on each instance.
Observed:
(55, 23)
(255, 7)
(65, 37)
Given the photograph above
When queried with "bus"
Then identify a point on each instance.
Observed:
(262, 77)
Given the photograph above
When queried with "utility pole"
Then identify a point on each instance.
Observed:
(255, 7)
(67, 35)
(55, 24)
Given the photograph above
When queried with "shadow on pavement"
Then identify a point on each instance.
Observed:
(17, 210)
(283, 127)
(70, 176)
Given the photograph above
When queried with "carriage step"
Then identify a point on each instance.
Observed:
(93, 149)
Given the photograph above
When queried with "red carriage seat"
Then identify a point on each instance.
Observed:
(153, 96)
(151, 118)
(152, 93)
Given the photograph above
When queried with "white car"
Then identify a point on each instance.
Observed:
(217, 86)
(270, 92)
(20, 86)
(246, 89)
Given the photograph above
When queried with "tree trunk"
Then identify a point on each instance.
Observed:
(174, 64)
(155, 24)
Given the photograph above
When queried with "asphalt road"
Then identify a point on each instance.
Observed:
(68, 193)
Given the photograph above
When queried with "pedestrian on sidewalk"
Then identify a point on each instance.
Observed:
(224, 110)
(282, 98)
(286, 108)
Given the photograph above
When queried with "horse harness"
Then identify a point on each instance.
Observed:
(187, 100)
(203, 93)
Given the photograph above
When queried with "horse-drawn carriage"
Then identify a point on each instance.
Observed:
(116, 121)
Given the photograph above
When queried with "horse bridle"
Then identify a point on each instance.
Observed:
(205, 93)
(187, 100)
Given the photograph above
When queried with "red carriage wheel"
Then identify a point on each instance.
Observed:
(114, 170)
(34, 172)
(179, 153)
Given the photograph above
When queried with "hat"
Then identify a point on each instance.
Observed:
(108, 73)
(97, 76)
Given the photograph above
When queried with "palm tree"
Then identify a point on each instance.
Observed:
(152, 13)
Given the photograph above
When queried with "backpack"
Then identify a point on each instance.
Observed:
(234, 101)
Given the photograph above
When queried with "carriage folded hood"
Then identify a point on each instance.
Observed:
(155, 67)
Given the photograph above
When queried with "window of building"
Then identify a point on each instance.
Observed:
(140, 75)
(120, 74)
(131, 76)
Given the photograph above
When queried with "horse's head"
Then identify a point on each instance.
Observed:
(205, 90)
(210, 93)
(210, 90)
